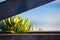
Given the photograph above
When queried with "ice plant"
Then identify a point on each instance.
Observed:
(41, 29)
(32, 28)
(16, 20)
(15, 24)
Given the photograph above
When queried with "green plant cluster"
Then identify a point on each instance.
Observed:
(15, 24)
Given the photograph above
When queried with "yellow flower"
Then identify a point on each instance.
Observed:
(16, 20)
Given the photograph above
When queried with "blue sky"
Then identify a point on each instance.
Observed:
(46, 16)
(2, 1)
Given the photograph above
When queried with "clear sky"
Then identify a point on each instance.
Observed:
(46, 16)
(2, 1)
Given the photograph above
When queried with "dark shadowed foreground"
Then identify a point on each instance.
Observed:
(31, 36)
(10, 8)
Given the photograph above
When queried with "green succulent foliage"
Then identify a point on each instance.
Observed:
(21, 26)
